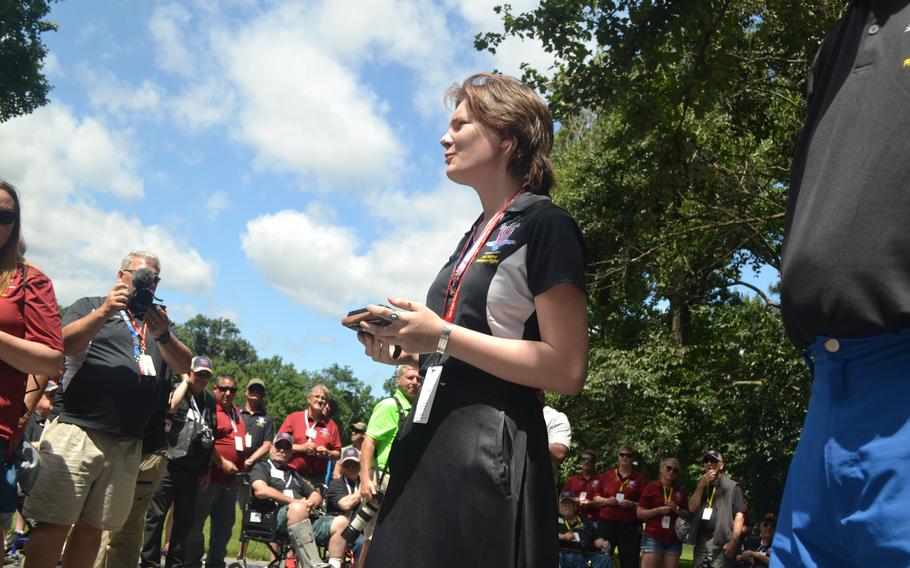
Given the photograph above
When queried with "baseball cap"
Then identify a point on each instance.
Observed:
(201, 363)
(359, 427)
(714, 455)
(283, 437)
(254, 382)
(350, 454)
(567, 496)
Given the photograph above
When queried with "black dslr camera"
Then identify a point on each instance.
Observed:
(142, 298)
(204, 435)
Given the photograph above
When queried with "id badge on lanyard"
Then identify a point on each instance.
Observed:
(143, 359)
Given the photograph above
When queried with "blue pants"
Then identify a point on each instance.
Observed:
(219, 501)
(847, 498)
(577, 560)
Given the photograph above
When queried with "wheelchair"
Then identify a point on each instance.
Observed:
(259, 523)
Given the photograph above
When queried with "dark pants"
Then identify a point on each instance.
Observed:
(625, 536)
(180, 487)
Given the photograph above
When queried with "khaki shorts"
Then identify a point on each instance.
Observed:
(85, 475)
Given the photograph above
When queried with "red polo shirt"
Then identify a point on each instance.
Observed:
(587, 488)
(326, 435)
(654, 495)
(611, 483)
(229, 428)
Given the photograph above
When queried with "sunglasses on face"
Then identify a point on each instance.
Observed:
(767, 524)
(626, 455)
(227, 389)
(711, 461)
(586, 459)
(671, 469)
(7, 217)
(257, 392)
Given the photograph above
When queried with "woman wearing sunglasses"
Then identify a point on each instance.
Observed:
(661, 503)
(30, 337)
(621, 488)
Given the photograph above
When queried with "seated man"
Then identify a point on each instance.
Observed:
(272, 481)
(342, 499)
(578, 542)
(757, 551)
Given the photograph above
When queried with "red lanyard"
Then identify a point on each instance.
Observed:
(453, 290)
(140, 332)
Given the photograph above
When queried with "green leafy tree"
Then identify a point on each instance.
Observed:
(23, 86)
(217, 338)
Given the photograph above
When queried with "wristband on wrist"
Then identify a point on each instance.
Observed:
(164, 338)
(444, 339)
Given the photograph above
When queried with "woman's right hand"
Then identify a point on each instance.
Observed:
(382, 352)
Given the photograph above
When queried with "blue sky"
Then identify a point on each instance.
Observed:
(281, 157)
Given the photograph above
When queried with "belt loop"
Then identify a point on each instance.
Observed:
(810, 363)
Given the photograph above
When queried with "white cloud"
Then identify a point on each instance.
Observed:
(217, 203)
(330, 268)
(59, 162)
(166, 26)
(118, 98)
(51, 66)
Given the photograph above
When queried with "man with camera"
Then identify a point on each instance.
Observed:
(219, 499)
(119, 352)
(190, 438)
(274, 482)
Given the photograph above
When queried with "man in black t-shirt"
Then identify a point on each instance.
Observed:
(274, 483)
(117, 363)
(189, 428)
(260, 428)
(342, 500)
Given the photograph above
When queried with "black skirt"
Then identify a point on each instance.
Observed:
(473, 487)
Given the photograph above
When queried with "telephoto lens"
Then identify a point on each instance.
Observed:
(364, 515)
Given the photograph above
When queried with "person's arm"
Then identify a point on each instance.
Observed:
(29, 356)
(348, 502)
(313, 500)
(34, 390)
(367, 490)
(178, 356)
(695, 499)
(558, 362)
(730, 547)
(79, 333)
(336, 470)
(263, 450)
(262, 490)
(179, 394)
(558, 453)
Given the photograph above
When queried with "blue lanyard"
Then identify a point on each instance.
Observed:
(137, 339)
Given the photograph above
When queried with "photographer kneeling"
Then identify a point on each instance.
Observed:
(273, 481)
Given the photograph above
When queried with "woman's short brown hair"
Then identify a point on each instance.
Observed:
(512, 109)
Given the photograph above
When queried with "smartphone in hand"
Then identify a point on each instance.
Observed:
(354, 317)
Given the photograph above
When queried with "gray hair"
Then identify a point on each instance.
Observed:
(323, 388)
(400, 369)
(148, 257)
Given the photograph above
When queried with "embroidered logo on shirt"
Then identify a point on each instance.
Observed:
(907, 29)
(502, 238)
(907, 63)
(260, 421)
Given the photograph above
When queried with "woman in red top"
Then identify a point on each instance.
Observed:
(660, 504)
(30, 337)
(621, 487)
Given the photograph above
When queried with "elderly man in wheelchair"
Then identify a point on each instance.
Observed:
(275, 485)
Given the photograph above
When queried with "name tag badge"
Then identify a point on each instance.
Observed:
(238, 443)
(146, 365)
(249, 441)
(575, 537)
(620, 497)
(289, 493)
(706, 514)
(583, 495)
(311, 433)
(427, 394)
(665, 522)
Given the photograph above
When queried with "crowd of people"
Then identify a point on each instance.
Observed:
(618, 513)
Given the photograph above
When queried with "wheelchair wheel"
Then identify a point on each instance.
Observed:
(237, 564)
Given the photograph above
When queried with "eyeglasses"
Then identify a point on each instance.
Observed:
(130, 270)
(227, 389)
(710, 461)
(626, 455)
(671, 469)
(7, 217)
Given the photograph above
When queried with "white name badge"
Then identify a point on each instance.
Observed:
(249, 440)
(238, 443)
(311, 433)
(706, 514)
(576, 537)
(289, 493)
(620, 497)
(427, 394)
(583, 495)
(665, 522)
(146, 366)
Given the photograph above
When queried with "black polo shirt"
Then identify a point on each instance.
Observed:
(102, 388)
(846, 269)
(259, 427)
(281, 478)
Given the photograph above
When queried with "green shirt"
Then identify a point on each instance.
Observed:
(384, 425)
